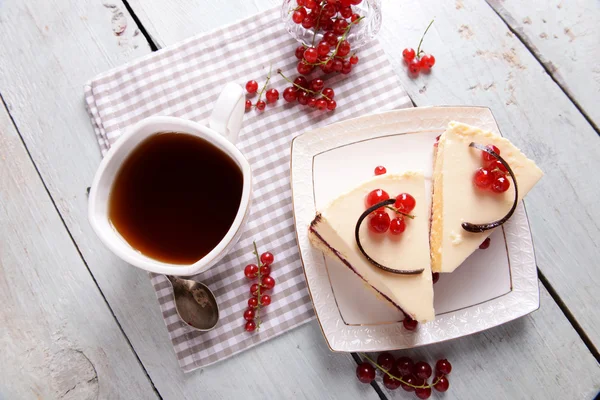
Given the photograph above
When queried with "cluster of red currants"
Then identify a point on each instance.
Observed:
(417, 61)
(312, 94)
(272, 95)
(333, 52)
(405, 373)
(262, 272)
(492, 176)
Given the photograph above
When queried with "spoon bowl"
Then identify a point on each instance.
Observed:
(195, 303)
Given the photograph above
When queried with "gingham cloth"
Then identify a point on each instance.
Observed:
(184, 80)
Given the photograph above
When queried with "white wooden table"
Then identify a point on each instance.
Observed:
(77, 323)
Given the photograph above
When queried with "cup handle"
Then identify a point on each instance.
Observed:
(228, 113)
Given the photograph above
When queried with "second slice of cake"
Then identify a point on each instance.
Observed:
(333, 231)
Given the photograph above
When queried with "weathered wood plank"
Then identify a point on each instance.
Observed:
(564, 36)
(58, 337)
(536, 357)
(49, 50)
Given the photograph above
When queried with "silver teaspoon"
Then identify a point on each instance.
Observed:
(195, 303)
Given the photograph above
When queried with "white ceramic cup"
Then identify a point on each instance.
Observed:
(223, 130)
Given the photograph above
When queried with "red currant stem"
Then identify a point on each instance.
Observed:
(264, 87)
(300, 87)
(258, 321)
(423, 37)
(394, 209)
(400, 379)
(291, 10)
(318, 23)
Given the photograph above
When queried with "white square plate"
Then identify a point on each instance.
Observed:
(490, 288)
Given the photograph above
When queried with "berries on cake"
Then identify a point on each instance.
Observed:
(380, 231)
(473, 191)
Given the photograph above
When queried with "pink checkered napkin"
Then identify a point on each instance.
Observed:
(184, 80)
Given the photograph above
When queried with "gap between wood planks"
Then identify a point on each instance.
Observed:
(533, 50)
(14, 123)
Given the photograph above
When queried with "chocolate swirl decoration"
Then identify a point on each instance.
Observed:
(477, 228)
(362, 250)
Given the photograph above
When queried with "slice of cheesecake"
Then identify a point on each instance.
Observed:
(333, 232)
(456, 199)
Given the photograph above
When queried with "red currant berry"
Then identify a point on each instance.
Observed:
(248, 105)
(380, 170)
(405, 203)
(250, 326)
(265, 300)
(397, 226)
(328, 10)
(308, 22)
(376, 196)
(422, 370)
(410, 324)
(268, 282)
(312, 4)
(346, 12)
(301, 81)
(487, 157)
(500, 184)
(423, 393)
(443, 367)
(299, 15)
(328, 92)
(483, 178)
(441, 384)
(301, 3)
(414, 66)
(379, 222)
(338, 65)
(355, 2)
(267, 258)
(345, 3)
(311, 54)
(260, 105)
(321, 104)
(323, 48)
(404, 365)
(327, 67)
(317, 84)
(343, 48)
(265, 270)
(303, 98)
(249, 314)
(331, 39)
(253, 302)
(391, 383)
(365, 372)
(312, 102)
(290, 94)
(272, 95)
(485, 244)
(304, 68)
(347, 68)
(410, 382)
(331, 105)
(435, 277)
(427, 61)
(408, 55)
(386, 361)
(497, 165)
(340, 26)
(300, 52)
(251, 271)
(254, 289)
(251, 86)
(354, 60)
(354, 18)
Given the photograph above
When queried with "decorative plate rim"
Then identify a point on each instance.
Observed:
(521, 300)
